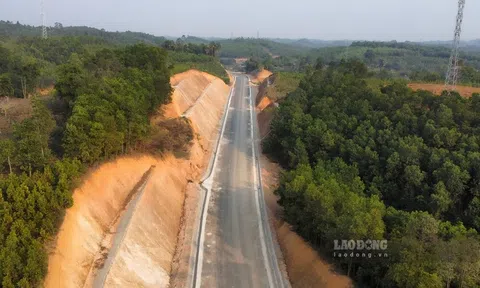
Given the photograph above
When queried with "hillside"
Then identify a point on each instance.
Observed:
(44, 55)
(404, 59)
(313, 43)
(247, 47)
(102, 108)
(9, 30)
(92, 222)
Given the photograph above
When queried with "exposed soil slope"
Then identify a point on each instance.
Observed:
(145, 256)
(437, 89)
(259, 76)
(265, 104)
(98, 203)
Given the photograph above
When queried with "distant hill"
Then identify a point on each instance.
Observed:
(10, 29)
(262, 48)
(424, 62)
(313, 43)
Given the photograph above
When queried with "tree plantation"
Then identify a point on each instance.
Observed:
(386, 163)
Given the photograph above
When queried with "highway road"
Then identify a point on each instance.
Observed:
(236, 247)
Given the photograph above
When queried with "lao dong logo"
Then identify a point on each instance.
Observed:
(360, 245)
(360, 248)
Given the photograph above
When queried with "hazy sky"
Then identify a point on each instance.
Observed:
(319, 19)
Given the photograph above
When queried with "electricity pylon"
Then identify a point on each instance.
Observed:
(453, 71)
(44, 25)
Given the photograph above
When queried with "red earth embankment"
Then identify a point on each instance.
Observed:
(144, 258)
(259, 76)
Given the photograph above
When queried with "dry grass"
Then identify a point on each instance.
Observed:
(437, 89)
(172, 135)
(13, 110)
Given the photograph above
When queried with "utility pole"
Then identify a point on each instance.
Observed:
(44, 26)
(453, 71)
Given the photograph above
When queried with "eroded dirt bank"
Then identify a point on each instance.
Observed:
(305, 267)
(144, 258)
(260, 76)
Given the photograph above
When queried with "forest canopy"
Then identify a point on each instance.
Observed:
(387, 163)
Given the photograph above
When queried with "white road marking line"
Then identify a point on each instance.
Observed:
(257, 203)
(207, 184)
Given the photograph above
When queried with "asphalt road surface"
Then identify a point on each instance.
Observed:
(238, 250)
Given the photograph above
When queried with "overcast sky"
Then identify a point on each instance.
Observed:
(319, 19)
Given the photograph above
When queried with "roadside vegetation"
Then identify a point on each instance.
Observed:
(279, 85)
(389, 163)
(99, 109)
(181, 62)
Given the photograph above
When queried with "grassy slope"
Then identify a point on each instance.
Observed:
(282, 83)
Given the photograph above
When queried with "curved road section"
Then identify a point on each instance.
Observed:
(235, 244)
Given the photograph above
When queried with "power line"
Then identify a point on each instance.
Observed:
(453, 71)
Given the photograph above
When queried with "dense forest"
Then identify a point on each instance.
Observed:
(389, 163)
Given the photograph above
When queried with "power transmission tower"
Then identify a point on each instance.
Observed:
(452, 72)
(44, 26)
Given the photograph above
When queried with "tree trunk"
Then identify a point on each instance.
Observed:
(43, 153)
(349, 267)
(9, 164)
(23, 81)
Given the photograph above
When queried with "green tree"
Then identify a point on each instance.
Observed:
(71, 79)
(7, 153)
(6, 87)
(440, 199)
